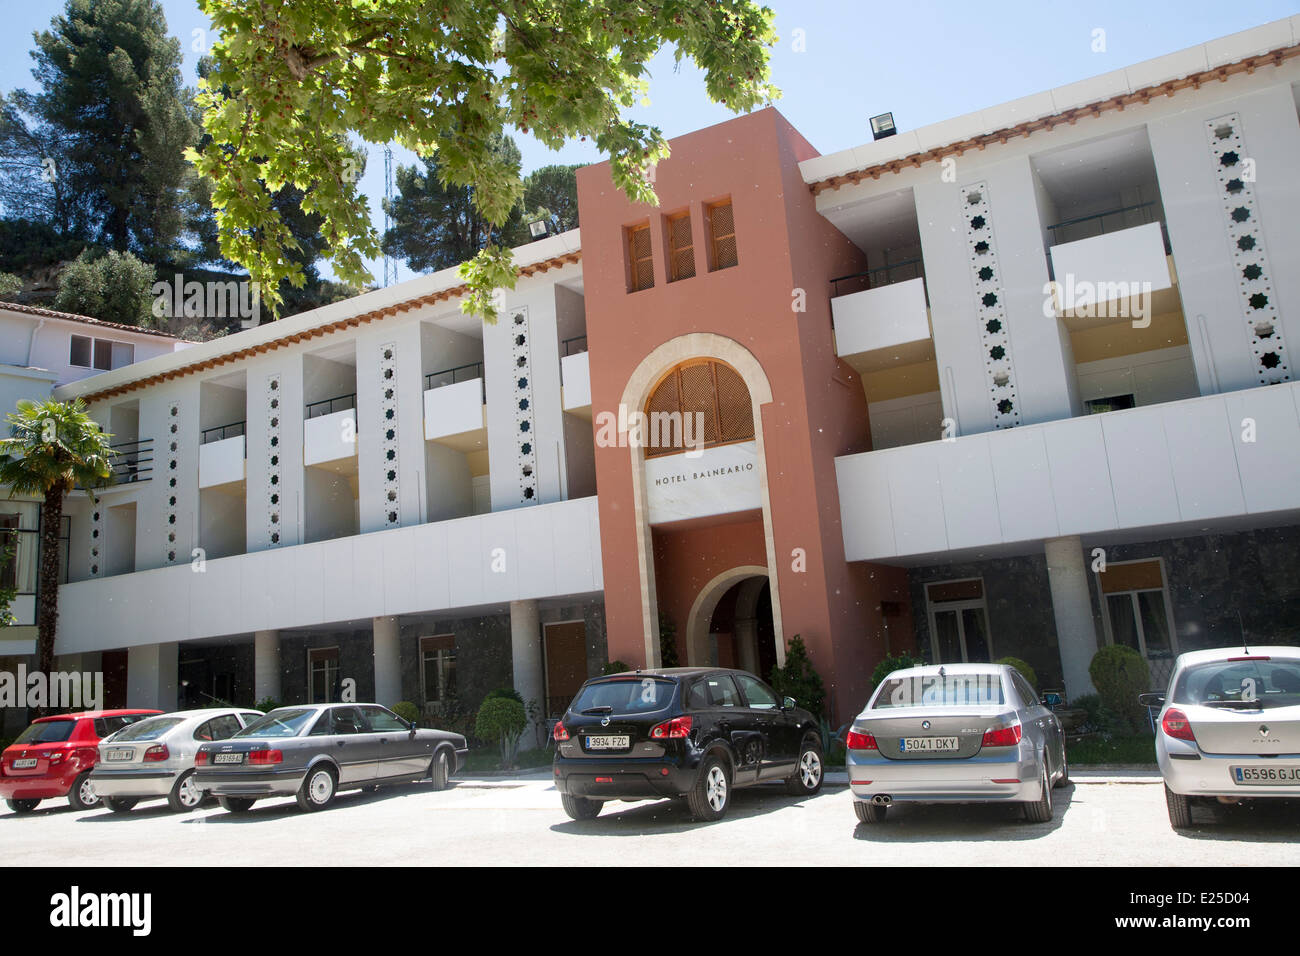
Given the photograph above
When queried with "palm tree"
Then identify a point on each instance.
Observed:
(52, 447)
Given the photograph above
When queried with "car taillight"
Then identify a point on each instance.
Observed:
(559, 733)
(1002, 736)
(857, 741)
(677, 727)
(263, 757)
(201, 758)
(1175, 724)
(156, 752)
(56, 756)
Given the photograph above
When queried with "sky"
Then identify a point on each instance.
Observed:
(838, 62)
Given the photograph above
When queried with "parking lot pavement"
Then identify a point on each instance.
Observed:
(1101, 819)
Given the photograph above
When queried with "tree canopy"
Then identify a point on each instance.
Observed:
(293, 78)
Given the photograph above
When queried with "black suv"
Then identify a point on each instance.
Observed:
(693, 732)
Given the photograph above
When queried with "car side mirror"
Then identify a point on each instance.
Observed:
(1151, 700)
(787, 703)
(414, 726)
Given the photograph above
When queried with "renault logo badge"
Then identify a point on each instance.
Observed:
(1263, 730)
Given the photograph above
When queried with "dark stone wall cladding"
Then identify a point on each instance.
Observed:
(1211, 579)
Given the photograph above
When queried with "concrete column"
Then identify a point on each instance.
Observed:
(526, 651)
(151, 676)
(388, 661)
(1076, 631)
(266, 665)
(746, 637)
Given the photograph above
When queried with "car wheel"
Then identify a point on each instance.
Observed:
(1180, 809)
(236, 804)
(807, 777)
(318, 789)
(580, 808)
(1065, 770)
(1040, 810)
(22, 806)
(184, 796)
(440, 770)
(711, 795)
(869, 812)
(82, 796)
(121, 804)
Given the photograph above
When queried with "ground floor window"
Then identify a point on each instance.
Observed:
(438, 669)
(323, 675)
(1136, 610)
(959, 623)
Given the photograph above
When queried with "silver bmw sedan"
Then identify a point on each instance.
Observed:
(955, 733)
(1229, 728)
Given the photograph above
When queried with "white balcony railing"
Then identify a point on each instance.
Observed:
(221, 462)
(454, 409)
(1115, 275)
(885, 317)
(330, 438)
(575, 373)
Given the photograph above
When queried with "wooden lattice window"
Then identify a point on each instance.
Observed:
(640, 260)
(722, 236)
(713, 390)
(681, 247)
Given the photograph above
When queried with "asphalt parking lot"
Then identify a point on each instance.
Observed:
(1101, 819)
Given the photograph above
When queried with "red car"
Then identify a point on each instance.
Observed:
(54, 756)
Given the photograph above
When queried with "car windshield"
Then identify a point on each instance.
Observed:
(933, 690)
(150, 729)
(1256, 682)
(624, 695)
(47, 732)
(288, 722)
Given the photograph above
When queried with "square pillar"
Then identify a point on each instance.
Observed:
(151, 676)
(388, 661)
(1076, 630)
(266, 665)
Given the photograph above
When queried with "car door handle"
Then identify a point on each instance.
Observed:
(339, 743)
(383, 740)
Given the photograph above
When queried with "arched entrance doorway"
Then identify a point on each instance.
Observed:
(731, 623)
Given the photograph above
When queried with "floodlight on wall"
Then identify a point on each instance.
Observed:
(882, 126)
(538, 228)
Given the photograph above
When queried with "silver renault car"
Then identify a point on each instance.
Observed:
(154, 758)
(1229, 728)
(955, 733)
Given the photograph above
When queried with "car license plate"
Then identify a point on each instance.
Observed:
(121, 754)
(228, 758)
(608, 743)
(1266, 776)
(27, 764)
(927, 744)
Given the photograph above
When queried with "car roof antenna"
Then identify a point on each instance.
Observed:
(1242, 627)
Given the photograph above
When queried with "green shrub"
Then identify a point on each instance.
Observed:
(116, 287)
(508, 693)
(407, 711)
(10, 284)
(1026, 671)
(267, 704)
(1119, 673)
(799, 680)
(890, 664)
(614, 667)
(502, 719)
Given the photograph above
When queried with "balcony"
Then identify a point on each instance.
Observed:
(132, 461)
(575, 376)
(1116, 275)
(455, 407)
(886, 324)
(1176, 467)
(329, 433)
(221, 455)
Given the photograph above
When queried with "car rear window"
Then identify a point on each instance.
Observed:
(624, 695)
(288, 722)
(47, 732)
(931, 690)
(150, 729)
(1261, 682)
(111, 725)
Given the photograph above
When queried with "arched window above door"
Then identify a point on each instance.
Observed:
(713, 390)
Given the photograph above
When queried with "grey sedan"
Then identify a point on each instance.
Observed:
(154, 758)
(955, 733)
(314, 751)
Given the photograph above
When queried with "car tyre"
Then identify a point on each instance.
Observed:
(868, 812)
(440, 771)
(809, 771)
(1040, 810)
(184, 796)
(1180, 809)
(236, 804)
(22, 805)
(121, 804)
(1064, 780)
(580, 808)
(82, 796)
(711, 795)
(318, 788)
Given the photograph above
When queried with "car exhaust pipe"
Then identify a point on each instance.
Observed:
(882, 799)
(1229, 801)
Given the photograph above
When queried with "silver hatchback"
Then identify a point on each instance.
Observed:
(955, 733)
(154, 758)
